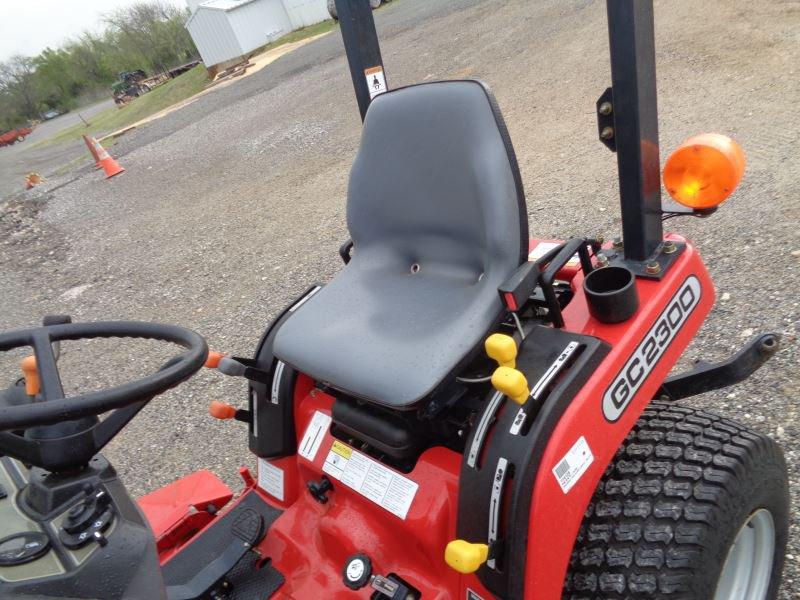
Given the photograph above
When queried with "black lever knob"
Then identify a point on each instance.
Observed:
(320, 489)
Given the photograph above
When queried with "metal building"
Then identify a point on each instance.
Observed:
(225, 30)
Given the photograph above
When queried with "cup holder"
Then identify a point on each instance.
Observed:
(611, 294)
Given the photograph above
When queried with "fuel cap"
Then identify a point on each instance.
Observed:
(357, 571)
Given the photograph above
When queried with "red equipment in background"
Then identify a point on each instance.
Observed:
(11, 137)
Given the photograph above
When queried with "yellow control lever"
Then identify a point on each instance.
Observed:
(465, 557)
(512, 383)
(503, 349)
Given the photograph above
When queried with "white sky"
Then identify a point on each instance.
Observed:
(29, 26)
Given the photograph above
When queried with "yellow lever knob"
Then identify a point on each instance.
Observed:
(503, 349)
(512, 383)
(465, 557)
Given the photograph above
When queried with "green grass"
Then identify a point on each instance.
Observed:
(111, 120)
(166, 95)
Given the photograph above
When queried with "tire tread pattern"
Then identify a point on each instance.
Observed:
(656, 506)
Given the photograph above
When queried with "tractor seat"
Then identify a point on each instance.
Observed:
(437, 215)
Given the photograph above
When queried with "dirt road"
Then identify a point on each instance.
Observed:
(234, 204)
(20, 159)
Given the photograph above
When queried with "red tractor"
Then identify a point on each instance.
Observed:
(12, 136)
(463, 412)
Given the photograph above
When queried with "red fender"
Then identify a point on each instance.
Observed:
(556, 516)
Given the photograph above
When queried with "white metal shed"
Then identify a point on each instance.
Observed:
(224, 30)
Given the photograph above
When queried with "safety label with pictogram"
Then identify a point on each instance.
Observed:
(376, 81)
(371, 479)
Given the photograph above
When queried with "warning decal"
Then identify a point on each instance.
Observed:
(371, 479)
(376, 81)
(574, 464)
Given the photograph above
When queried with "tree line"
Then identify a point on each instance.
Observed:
(148, 35)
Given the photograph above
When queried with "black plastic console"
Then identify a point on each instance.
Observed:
(95, 541)
(504, 449)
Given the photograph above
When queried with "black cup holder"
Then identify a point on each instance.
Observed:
(611, 294)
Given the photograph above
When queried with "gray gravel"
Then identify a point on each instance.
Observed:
(234, 204)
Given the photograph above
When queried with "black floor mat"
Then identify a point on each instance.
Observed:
(192, 574)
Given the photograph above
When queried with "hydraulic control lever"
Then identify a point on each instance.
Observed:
(506, 379)
(235, 366)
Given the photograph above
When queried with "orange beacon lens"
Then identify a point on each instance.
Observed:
(704, 170)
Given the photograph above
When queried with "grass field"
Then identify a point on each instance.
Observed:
(169, 94)
(162, 97)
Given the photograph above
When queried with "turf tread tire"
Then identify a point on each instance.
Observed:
(670, 504)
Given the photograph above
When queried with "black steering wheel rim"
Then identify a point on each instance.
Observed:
(54, 407)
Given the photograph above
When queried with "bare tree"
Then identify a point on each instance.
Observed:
(18, 83)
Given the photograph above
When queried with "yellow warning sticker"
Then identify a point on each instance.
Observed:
(341, 449)
(370, 478)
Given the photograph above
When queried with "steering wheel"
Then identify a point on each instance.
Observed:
(51, 407)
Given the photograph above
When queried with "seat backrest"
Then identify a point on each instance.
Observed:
(436, 182)
(438, 220)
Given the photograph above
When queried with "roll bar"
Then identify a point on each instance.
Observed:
(627, 115)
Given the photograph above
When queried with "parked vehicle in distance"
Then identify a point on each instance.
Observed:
(12, 136)
(53, 113)
(332, 7)
(132, 84)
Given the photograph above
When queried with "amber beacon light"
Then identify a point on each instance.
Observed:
(704, 170)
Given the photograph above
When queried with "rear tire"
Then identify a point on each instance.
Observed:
(667, 510)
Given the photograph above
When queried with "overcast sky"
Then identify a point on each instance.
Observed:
(29, 26)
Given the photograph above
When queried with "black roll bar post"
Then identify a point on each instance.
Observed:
(363, 50)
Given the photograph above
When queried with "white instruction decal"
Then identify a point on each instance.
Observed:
(570, 468)
(270, 478)
(371, 479)
(376, 81)
(315, 433)
(543, 248)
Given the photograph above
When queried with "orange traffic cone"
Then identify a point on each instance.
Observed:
(33, 179)
(92, 151)
(110, 166)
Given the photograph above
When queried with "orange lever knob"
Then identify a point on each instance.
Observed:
(212, 362)
(32, 383)
(222, 411)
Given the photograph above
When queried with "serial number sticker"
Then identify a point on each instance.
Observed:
(574, 464)
(315, 433)
(371, 479)
(543, 248)
(270, 478)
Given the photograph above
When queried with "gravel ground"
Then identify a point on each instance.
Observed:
(234, 204)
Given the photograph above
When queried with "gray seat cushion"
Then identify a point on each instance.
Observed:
(435, 185)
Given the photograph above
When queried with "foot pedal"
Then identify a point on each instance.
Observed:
(216, 561)
(248, 581)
